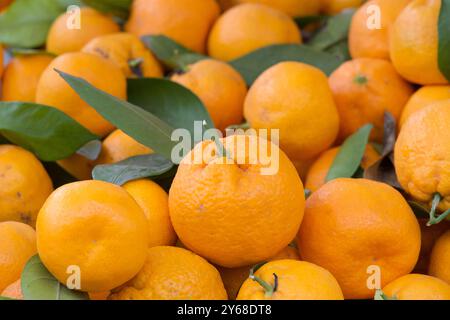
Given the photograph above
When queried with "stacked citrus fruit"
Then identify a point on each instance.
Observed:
(321, 170)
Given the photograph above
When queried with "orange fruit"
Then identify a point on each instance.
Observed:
(190, 28)
(64, 36)
(124, 49)
(52, 90)
(21, 77)
(318, 172)
(24, 187)
(422, 98)
(332, 7)
(297, 280)
(421, 152)
(248, 27)
(154, 201)
(417, 287)
(249, 213)
(99, 295)
(364, 89)
(414, 43)
(288, 94)
(294, 8)
(373, 42)
(221, 89)
(96, 226)
(172, 273)
(17, 246)
(1, 60)
(13, 291)
(352, 224)
(440, 258)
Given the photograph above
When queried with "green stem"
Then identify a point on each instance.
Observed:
(435, 219)
(269, 289)
(307, 193)
(380, 295)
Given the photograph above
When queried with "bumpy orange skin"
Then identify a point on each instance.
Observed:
(364, 89)
(233, 278)
(248, 27)
(332, 7)
(418, 287)
(221, 88)
(54, 91)
(421, 152)
(99, 295)
(250, 214)
(414, 43)
(297, 280)
(294, 8)
(318, 172)
(422, 98)
(123, 47)
(13, 291)
(24, 185)
(367, 42)
(440, 258)
(62, 39)
(22, 76)
(288, 94)
(17, 246)
(185, 21)
(97, 226)
(351, 224)
(154, 201)
(172, 273)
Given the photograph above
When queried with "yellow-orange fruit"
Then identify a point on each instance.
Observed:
(417, 287)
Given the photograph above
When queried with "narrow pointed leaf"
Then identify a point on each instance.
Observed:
(444, 39)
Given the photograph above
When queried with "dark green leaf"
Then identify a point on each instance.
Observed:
(252, 65)
(46, 131)
(141, 125)
(172, 54)
(145, 166)
(39, 284)
(118, 8)
(29, 52)
(91, 150)
(444, 39)
(350, 154)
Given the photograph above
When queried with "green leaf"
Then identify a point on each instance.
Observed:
(118, 8)
(143, 126)
(172, 54)
(252, 65)
(29, 52)
(145, 166)
(306, 20)
(46, 131)
(350, 154)
(39, 284)
(91, 150)
(444, 39)
(26, 23)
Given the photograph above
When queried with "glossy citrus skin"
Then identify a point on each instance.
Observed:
(294, 8)
(248, 27)
(13, 291)
(24, 185)
(250, 214)
(318, 172)
(123, 47)
(62, 39)
(418, 287)
(172, 273)
(14, 88)
(185, 21)
(336, 6)
(367, 42)
(414, 43)
(54, 91)
(422, 98)
(297, 280)
(351, 224)
(221, 89)
(154, 201)
(440, 258)
(364, 89)
(97, 226)
(17, 246)
(290, 93)
(421, 152)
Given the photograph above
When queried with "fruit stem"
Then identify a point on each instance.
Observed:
(307, 193)
(360, 79)
(135, 66)
(380, 295)
(434, 204)
(269, 289)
